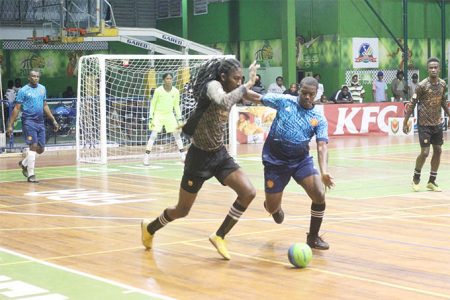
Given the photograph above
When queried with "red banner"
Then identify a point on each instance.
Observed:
(361, 119)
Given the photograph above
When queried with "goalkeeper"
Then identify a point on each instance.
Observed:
(165, 101)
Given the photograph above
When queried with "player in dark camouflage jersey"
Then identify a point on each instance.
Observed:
(217, 88)
(429, 98)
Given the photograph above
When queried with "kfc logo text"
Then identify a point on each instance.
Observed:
(361, 118)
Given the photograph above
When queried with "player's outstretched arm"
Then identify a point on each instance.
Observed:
(253, 96)
(322, 155)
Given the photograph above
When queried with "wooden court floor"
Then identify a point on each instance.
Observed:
(386, 242)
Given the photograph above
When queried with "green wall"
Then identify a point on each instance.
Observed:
(237, 26)
(248, 27)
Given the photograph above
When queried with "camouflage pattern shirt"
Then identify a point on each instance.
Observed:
(210, 129)
(429, 98)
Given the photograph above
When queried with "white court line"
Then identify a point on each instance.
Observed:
(108, 281)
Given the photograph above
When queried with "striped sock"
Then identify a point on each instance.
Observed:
(317, 213)
(159, 222)
(233, 216)
(432, 177)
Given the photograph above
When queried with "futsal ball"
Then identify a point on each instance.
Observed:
(300, 254)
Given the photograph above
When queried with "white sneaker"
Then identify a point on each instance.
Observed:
(183, 156)
(146, 159)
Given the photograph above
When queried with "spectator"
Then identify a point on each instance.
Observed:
(379, 88)
(320, 90)
(398, 87)
(413, 85)
(258, 87)
(356, 89)
(68, 93)
(17, 84)
(277, 87)
(343, 95)
(10, 93)
(293, 90)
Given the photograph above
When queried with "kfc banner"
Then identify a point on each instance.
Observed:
(361, 119)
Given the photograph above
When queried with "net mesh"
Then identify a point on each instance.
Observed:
(115, 95)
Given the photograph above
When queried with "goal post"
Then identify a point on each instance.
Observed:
(114, 98)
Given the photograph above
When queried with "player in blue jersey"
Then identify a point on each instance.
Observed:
(286, 154)
(31, 100)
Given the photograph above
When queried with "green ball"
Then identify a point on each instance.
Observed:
(300, 254)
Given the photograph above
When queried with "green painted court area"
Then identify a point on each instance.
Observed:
(23, 277)
(359, 172)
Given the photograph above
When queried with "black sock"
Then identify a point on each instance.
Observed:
(233, 216)
(317, 212)
(432, 177)
(159, 222)
(147, 151)
(416, 177)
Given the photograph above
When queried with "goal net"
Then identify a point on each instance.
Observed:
(114, 98)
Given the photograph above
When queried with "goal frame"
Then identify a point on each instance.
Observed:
(102, 58)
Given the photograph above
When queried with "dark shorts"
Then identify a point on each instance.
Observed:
(33, 132)
(430, 135)
(276, 177)
(201, 165)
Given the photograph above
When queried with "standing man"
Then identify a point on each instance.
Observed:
(31, 100)
(430, 97)
(413, 85)
(379, 88)
(165, 101)
(286, 154)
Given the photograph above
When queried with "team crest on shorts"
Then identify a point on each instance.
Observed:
(30, 138)
(314, 122)
(425, 141)
(270, 184)
(190, 183)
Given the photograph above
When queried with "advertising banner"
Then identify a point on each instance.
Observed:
(361, 119)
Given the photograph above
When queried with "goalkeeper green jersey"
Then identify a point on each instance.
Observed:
(164, 103)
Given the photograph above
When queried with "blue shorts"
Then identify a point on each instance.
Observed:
(276, 177)
(33, 132)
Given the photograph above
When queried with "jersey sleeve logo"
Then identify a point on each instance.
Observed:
(314, 122)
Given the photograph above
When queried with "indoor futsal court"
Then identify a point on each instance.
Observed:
(127, 96)
(81, 226)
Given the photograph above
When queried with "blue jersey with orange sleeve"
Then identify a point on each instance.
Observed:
(292, 130)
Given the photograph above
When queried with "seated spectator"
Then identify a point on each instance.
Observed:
(277, 87)
(320, 89)
(68, 93)
(356, 89)
(293, 90)
(324, 99)
(343, 96)
(258, 87)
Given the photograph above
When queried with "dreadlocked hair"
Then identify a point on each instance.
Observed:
(211, 70)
